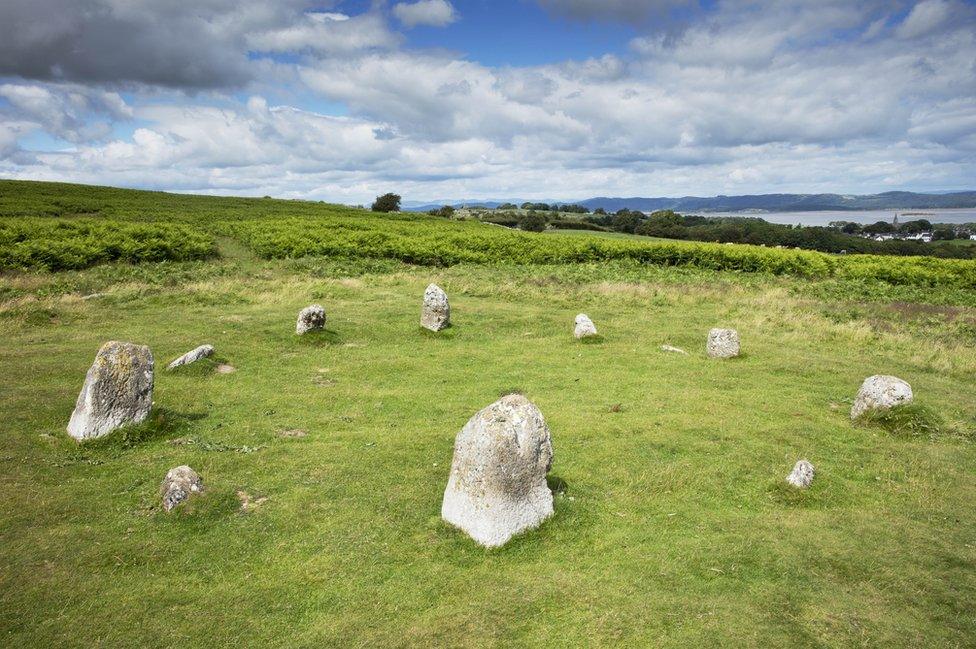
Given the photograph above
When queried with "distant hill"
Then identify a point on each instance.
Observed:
(767, 202)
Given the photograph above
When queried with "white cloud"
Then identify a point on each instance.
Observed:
(924, 18)
(436, 13)
(327, 33)
(807, 95)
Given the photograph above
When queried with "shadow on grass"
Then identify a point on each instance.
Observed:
(162, 423)
(198, 514)
(449, 333)
(557, 485)
(200, 368)
(912, 421)
(787, 495)
(592, 340)
(323, 338)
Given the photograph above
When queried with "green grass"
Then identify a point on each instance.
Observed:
(673, 524)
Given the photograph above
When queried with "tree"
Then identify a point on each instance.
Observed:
(600, 211)
(878, 227)
(532, 222)
(387, 203)
(627, 221)
(446, 211)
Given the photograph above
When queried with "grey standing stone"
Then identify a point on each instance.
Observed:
(436, 313)
(497, 487)
(178, 485)
(203, 351)
(311, 318)
(722, 343)
(584, 327)
(802, 474)
(117, 391)
(880, 392)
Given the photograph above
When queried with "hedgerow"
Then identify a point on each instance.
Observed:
(435, 242)
(58, 244)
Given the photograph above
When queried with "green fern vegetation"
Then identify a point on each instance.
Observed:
(183, 227)
(673, 524)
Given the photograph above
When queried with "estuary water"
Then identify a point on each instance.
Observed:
(865, 216)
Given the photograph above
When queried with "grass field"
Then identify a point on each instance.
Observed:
(673, 526)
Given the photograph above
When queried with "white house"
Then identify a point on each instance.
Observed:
(972, 237)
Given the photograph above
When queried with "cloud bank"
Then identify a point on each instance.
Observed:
(303, 100)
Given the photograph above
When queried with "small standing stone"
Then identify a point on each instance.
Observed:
(203, 351)
(178, 485)
(436, 313)
(722, 343)
(117, 391)
(497, 487)
(802, 474)
(584, 327)
(880, 392)
(311, 318)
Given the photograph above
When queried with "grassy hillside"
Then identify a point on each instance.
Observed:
(288, 229)
(673, 524)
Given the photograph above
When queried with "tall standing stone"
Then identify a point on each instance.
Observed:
(311, 318)
(117, 391)
(497, 487)
(880, 392)
(722, 343)
(436, 312)
(584, 327)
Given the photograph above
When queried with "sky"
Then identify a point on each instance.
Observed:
(531, 99)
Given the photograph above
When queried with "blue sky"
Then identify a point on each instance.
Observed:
(439, 99)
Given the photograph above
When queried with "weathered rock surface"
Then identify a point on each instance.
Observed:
(584, 327)
(436, 312)
(880, 392)
(311, 318)
(722, 343)
(497, 487)
(178, 485)
(117, 391)
(802, 474)
(203, 351)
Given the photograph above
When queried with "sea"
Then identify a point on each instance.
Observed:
(862, 216)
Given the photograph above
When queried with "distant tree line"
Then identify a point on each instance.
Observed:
(940, 231)
(671, 225)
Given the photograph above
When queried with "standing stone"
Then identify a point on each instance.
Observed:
(497, 487)
(178, 485)
(311, 318)
(117, 391)
(436, 313)
(203, 351)
(802, 474)
(722, 343)
(880, 392)
(584, 327)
